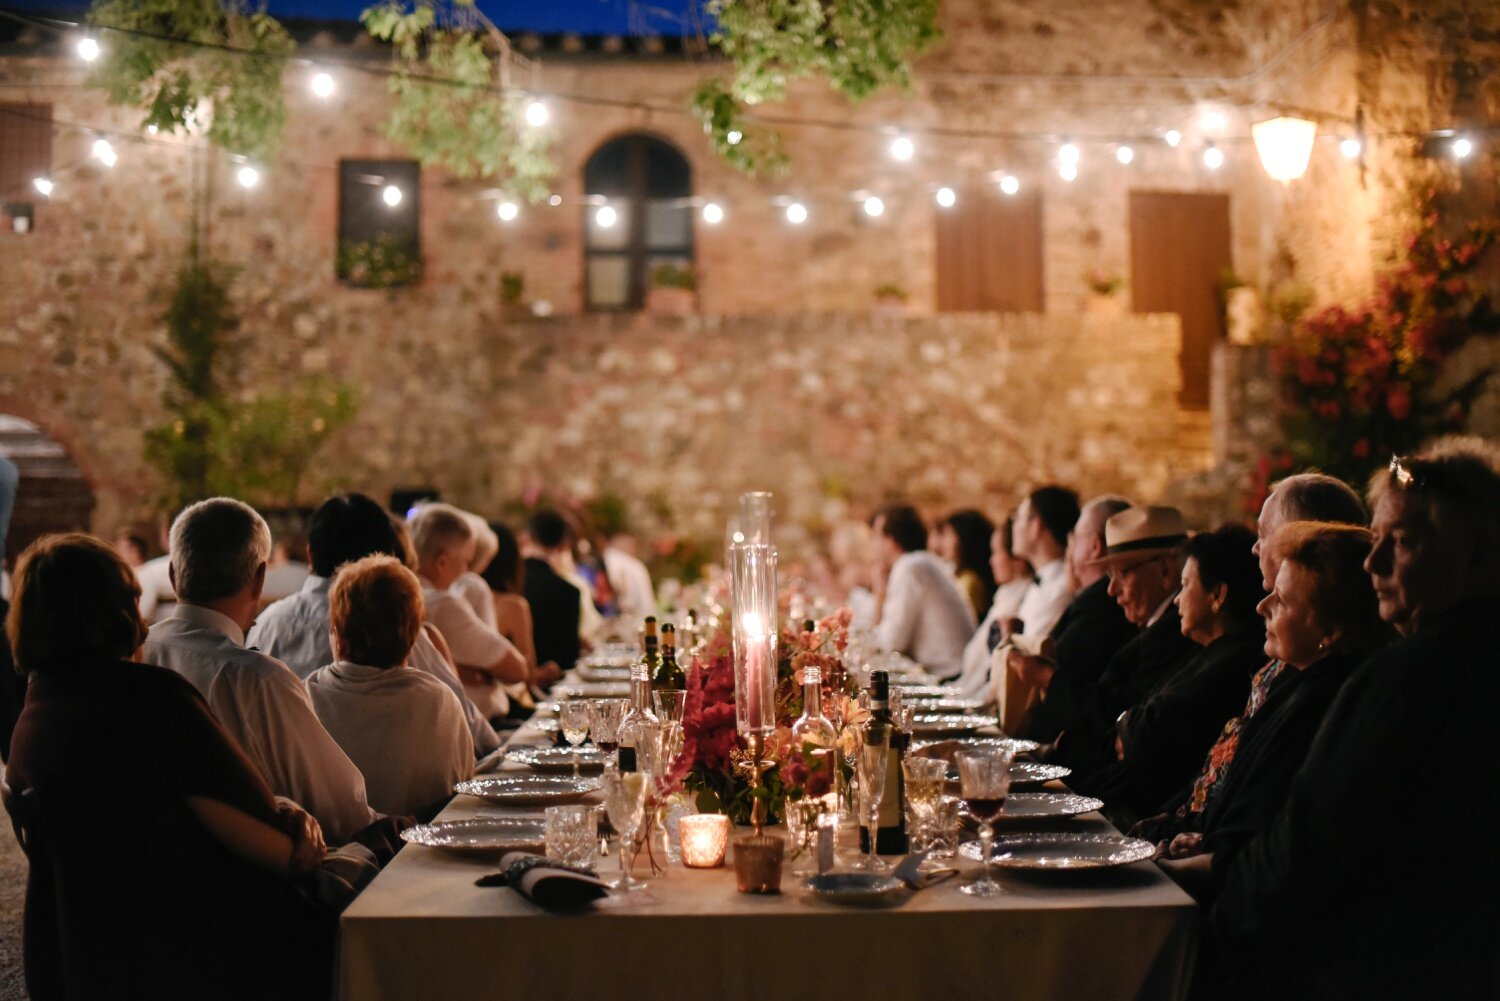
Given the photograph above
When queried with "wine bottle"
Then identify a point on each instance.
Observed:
(890, 834)
(669, 676)
(650, 647)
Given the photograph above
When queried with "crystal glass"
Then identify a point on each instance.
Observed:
(984, 773)
(604, 724)
(872, 764)
(625, 800)
(669, 706)
(942, 833)
(572, 835)
(802, 818)
(573, 720)
(925, 778)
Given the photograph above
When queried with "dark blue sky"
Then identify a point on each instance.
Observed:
(585, 17)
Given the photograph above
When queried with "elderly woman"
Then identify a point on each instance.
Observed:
(168, 873)
(403, 728)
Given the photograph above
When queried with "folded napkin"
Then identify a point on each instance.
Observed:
(547, 882)
(909, 870)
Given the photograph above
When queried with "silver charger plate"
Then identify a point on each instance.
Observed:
(1048, 805)
(1031, 772)
(547, 724)
(1012, 744)
(1063, 851)
(527, 790)
(949, 724)
(593, 690)
(600, 672)
(486, 836)
(857, 889)
(558, 760)
(954, 704)
(915, 691)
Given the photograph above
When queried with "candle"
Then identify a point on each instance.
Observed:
(704, 837)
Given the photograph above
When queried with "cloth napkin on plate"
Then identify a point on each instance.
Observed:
(545, 881)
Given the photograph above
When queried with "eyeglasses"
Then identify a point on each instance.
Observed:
(1413, 473)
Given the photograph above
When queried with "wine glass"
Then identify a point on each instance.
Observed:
(984, 774)
(573, 718)
(625, 801)
(670, 705)
(873, 755)
(604, 723)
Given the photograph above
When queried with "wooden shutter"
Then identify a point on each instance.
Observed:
(989, 253)
(25, 149)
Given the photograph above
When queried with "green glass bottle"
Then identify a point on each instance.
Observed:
(669, 675)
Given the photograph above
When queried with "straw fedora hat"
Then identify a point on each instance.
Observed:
(1142, 532)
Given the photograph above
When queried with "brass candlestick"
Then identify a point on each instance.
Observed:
(755, 765)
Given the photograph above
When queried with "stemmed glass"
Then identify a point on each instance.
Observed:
(984, 774)
(670, 706)
(625, 801)
(573, 718)
(604, 723)
(873, 754)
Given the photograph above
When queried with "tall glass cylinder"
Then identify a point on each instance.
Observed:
(755, 517)
(754, 606)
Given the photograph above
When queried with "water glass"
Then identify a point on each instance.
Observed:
(604, 725)
(572, 835)
(942, 831)
(625, 801)
(669, 706)
(802, 818)
(573, 721)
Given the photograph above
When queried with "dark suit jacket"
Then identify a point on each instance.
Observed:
(554, 614)
(12, 690)
(1379, 877)
(1091, 631)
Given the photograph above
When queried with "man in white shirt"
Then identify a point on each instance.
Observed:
(923, 614)
(294, 630)
(219, 551)
(631, 579)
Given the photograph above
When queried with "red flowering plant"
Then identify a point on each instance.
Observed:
(1361, 383)
(712, 745)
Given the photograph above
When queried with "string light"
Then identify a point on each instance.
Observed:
(152, 130)
(796, 213)
(1173, 138)
(1068, 171)
(713, 214)
(391, 195)
(733, 137)
(1213, 157)
(902, 148)
(248, 176)
(1351, 148)
(1124, 154)
(105, 153)
(1009, 184)
(323, 85)
(507, 211)
(606, 217)
(946, 198)
(43, 186)
(1462, 147)
(537, 114)
(1067, 153)
(874, 207)
(555, 201)
(88, 49)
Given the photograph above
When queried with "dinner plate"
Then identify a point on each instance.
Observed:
(547, 724)
(1047, 805)
(949, 724)
(1032, 772)
(525, 790)
(596, 672)
(857, 889)
(558, 760)
(1012, 744)
(481, 835)
(1063, 851)
(593, 690)
(915, 691)
(955, 704)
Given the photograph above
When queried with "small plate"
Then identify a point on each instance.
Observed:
(1012, 744)
(857, 889)
(558, 760)
(527, 790)
(1048, 805)
(481, 835)
(1063, 851)
(949, 724)
(601, 672)
(593, 690)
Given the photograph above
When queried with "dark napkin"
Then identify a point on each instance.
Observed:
(545, 881)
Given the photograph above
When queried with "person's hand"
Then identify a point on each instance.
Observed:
(308, 847)
(1119, 749)
(1185, 846)
(545, 674)
(1035, 671)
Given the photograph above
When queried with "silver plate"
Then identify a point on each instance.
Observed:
(600, 672)
(526, 790)
(916, 691)
(593, 690)
(1063, 851)
(949, 705)
(481, 835)
(949, 724)
(1047, 805)
(1012, 744)
(547, 724)
(1032, 772)
(859, 889)
(558, 760)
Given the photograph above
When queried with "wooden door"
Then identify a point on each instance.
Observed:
(989, 253)
(1179, 248)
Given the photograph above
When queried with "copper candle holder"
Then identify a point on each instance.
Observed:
(757, 863)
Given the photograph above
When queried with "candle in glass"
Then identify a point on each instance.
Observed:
(704, 837)
(754, 638)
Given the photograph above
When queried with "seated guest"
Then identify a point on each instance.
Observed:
(12, 683)
(403, 728)
(175, 879)
(512, 611)
(1091, 631)
(922, 613)
(441, 538)
(634, 593)
(1014, 577)
(1162, 740)
(471, 585)
(294, 630)
(1143, 559)
(1302, 497)
(971, 532)
(219, 550)
(556, 604)
(1347, 906)
(286, 570)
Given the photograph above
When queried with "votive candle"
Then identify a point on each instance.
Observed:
(704, 837)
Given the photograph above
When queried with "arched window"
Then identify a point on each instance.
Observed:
(639, 217)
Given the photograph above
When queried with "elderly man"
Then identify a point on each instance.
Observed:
(1347, 908)
(923, 614)
(1303, 497)
(219, 552)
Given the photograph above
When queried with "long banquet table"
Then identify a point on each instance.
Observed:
(423, 930)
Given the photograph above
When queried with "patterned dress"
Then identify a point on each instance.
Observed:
(1211, 778)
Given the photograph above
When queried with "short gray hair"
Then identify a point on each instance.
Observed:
(1318, 497)
(437, 528)
(217, 545)
(1099, 510)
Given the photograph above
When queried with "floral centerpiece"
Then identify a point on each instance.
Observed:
(712, 751)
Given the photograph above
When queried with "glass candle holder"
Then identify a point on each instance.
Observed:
(704, 837)
(754, 622)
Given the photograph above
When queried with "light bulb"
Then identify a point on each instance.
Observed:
(1068, 153)
(1068, 172)
(555, 200)
(874, 207)
(322, 85)
(606, 217)
(1462, 147)
(248, 176)
(796, 213)
(1124, 154)
(1213, 158)
(43, 186)
(946, 198)
(1173, 138)
(151, 130)
(733, 137)
(507, 211)
(104, 152)
(391, 195)
(88, 49)
(537, 114)
(713, 214)
(1351, 148)
(1009, 184)
(903, 148)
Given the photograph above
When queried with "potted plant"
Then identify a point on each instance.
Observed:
(1103, 287)
(673, 290)
(890, 300)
